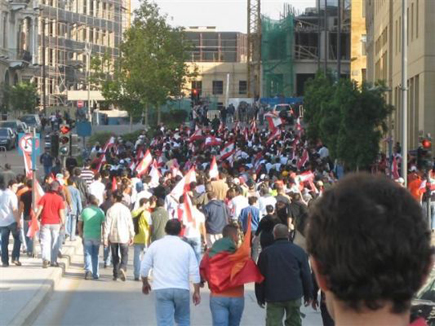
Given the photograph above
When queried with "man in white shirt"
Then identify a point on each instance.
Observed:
(97, 188)
(265, 199)
(195, 227)
(10, 222)
(174, 264)
(238, 203)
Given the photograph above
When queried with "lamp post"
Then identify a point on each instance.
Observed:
(405, 91)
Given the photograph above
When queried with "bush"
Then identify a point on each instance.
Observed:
(101, 137)
(132, 136)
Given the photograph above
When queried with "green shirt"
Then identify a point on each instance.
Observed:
(92, 218)
(159, 219)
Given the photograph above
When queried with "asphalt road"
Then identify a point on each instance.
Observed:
(104, 302)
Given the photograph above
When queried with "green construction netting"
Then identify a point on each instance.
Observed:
(277, 56)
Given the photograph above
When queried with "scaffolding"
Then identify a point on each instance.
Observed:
(277, 45)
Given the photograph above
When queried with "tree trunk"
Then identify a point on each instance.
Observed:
(131, 123)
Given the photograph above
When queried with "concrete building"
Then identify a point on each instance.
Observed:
(18, 39)
(384, 53)
(358, 58)
(219, 57)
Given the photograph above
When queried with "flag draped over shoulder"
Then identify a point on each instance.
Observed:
(225, 269)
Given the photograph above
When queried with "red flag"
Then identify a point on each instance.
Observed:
(109, 144)
(395, 169)
(214, 172)
(197, 135)
(28, 164)
(114, 184)
(227, 270)
(155, 175)
(276, 134)
(246, 134)
(188, 209)
(143, 166)
(184, 184)
(227, 151)
(33, 223)
(213, 141)
(303, 159)
(253, 127)
(273, 120)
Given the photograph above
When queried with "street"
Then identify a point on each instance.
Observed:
(77, 301)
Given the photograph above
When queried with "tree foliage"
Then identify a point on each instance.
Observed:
(22, 97)
(152, 65)
(348, 119)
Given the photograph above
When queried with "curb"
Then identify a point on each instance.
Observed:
(36, 304)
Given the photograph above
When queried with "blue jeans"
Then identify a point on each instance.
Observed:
(196, 245)
(138, 249)
(29, 241)
(226, 311)
(172, 304)
(50, 242)
(70, 226)
(92, 248)
(47, 170)
(5, 232)
(106, 256)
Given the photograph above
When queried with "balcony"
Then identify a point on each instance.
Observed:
(25, 56)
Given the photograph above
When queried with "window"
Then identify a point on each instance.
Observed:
(218, 87)
(412, 22)
(416, 20)
(243, 87)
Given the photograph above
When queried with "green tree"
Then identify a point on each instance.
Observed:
(21, 97)
(350, 120)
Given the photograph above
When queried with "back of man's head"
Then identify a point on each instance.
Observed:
(173, 227)
(160, 202)
(280, 231)
(230, 231)
(369, 243)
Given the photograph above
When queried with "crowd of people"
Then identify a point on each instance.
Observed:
(204, 202)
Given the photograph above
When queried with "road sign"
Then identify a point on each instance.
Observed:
(80, 104)
(84, 128)
(25, 143)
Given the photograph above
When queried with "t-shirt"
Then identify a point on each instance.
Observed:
(52, 203)
(26, 198)
(8, 203)
(92, 218)
(192, 228)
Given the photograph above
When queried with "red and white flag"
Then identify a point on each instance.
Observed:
(184, 184)
(33, 223)
(253, 128)
(236, 127)
(114, 184)
(143, 166)
(395, 169)
(213, 141)
(214, 172)
(132, 165)
(273, 120)
(109, 144)
(28, 164)
(275, 134)
(307, 176)
(298, 126)
(197, 135)
(154, 174)
(229, 149)
(188, 210)
(221, 128)
(303, 159)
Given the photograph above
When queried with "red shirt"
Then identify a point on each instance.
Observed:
(52, 203)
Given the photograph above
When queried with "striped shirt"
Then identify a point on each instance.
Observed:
(87, 175)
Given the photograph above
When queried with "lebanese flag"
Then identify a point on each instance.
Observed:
(236, 127)
(246, 133)
(188, 211)
(273, 120)
(214, 172)
(143, 166)
(109, 144)
(298, 126)
(28, 164)
(304, 159)
(307, 176)
(139, 154)
(33, 223)
(213, 141)
(132, 165)
(227, 151)
(276, 134)
(114, 184)
(395, 169)
(197, 135)
(253, 128)
(154, 174)
(184, 184)
(221, 128)
(227, 270)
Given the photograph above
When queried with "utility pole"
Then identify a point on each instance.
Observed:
(338, 40)
(325, 18)
(405, 91)
(88, 51)
(44, 90)
(319, 18)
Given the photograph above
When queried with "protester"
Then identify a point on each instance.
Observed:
(216, 217)
(75, 209)
(97, 188)
(91, 225)
(173, 263)
(25, 207)
(265, 227)
(142, 223)
(47, 161)
(119, 235)
(370, 250)
(159, 218)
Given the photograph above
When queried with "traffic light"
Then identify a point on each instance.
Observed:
(64, 140)
(54, 145)
(75, 147)
(424, 153)
(194, 96)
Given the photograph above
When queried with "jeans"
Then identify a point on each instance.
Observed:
(196, 245)
(275, 312)
(5, 232)
(49, 242)
(106, 255)
(70, 227)
(47, 170)
(117, 265)
(172, 304)
(29, 241)
(226, 311)
(61, 238)
(138, 249)
(92, 247)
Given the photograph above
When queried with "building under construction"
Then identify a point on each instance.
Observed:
(294, 47)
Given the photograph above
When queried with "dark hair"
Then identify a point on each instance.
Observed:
(29, 183)
(269, 209)
(117, 196)
(173, 227)
(160, 202)
(143, 201)
(77, 171)
(370, 241)
(252, 200)
(12, 182)
(97, 176)
(93, 200)
(229, 230)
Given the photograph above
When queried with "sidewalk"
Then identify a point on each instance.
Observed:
(24, 290)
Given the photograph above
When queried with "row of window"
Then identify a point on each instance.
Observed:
(218, 87)
(93, 8)
(412, 26)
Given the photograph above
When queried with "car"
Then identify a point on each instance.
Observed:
(17, 126)
(32, 120)
(8, 139)
(284, 111)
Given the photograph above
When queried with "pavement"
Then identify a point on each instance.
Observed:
(24, 290)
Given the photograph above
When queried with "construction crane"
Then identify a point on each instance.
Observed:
(254, 48)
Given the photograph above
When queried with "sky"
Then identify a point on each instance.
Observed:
(226, 15)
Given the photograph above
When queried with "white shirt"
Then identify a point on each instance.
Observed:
(139, 196)
(263, 202)
(193, 231)
(238, 203)
(119, 224)
(323, 152)
(8, 204)
(97, 189)
(173, 262)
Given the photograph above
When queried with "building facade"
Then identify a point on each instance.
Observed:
(358, 63)
(384, 62)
